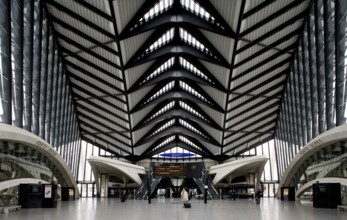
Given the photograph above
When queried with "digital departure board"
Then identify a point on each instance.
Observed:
(188, 170)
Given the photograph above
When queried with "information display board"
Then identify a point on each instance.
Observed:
(189, 170)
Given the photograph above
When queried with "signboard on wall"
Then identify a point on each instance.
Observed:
(48, 191)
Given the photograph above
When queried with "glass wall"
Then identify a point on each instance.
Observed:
(86, 180)
(315, 96)
(269, 177)
(34, 90)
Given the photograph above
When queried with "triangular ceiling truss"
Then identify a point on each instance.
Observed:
(205, 77)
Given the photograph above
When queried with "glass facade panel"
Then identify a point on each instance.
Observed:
(32, 79)
(315, 95)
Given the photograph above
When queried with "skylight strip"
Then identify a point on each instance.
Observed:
(187, 65)
(189, 89)
(165, 66)
(165, 142)
(185, 140)
(158, 9)
(192, 128)
(164, 39)
(196, 9)
(165, 89)
(189, 39)
(162, 128)
(189, 109)
(162, 111)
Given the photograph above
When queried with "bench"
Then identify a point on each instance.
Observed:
(341, 207)
(8, 209)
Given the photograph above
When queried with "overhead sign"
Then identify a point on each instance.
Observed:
(188, 170)
(177, 155)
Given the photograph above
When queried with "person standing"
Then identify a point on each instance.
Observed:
(123, 195)
(184, 195)
(257, 196)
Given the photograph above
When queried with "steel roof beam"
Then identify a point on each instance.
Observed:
(263, 118)
(272, 17)
(272, 32)
(142, 123)
(93, 96)
(80, 18)
(255, 130)
(255, 137)
(93, 120)
(94, 9)
(84, 36)
(89, 63)
(93, 75)
(175, 15)
(253, 115)
(258, 76)
(265, 101)
(89, 51)
(108, 143)
(269, 47)
(106, 134)
(256, 96)
(99, 145)
(257, 8)
(92, 86)
(99, 115)
(181, 49)
(260, 85)
(178, 113)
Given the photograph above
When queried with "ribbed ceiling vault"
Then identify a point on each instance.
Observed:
(150, 75)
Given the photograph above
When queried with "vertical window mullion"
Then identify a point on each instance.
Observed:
(28, 63)
(313, 74)
(296, 97)
(17, 63)
(49, 92)
(329, 52)
(340, 45)
(46, 52)
(37, 67)
(301, 91)
(306, 84)
(319, 30)
(6, 68)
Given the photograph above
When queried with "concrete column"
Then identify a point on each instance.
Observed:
(103, 185)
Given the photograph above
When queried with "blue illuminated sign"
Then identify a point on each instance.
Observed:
(176, 155)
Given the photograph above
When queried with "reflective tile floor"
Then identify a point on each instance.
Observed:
(172, 209)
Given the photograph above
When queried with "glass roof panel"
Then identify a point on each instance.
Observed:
(162, 128)
(189, 109)
(190, 90)
(162, 91)
(158, 9)
(187, 65)
(192, 128)
(185, 140)
(165, 142)
(165, 66)
(162, 111)
(189, 39)
(195, 8)
(164, 39)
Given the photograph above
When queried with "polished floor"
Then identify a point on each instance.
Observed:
(172, 209)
